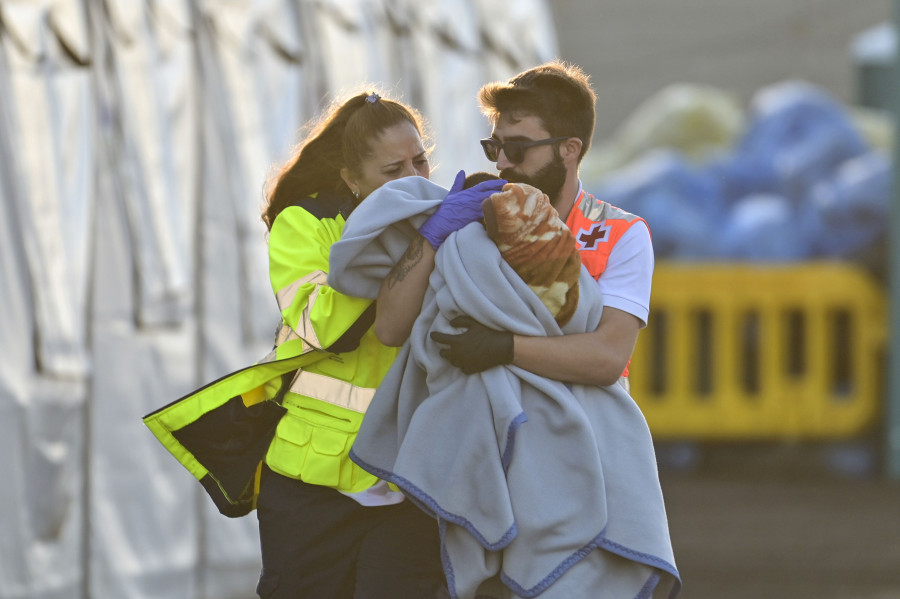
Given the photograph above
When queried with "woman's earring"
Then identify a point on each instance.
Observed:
(356, 194)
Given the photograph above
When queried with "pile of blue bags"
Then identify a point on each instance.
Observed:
(799, 183)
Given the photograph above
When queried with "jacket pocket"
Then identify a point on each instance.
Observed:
(289, 448)
(312, 443)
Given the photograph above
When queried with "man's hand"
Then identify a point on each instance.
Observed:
(478, 348)
(459, 208)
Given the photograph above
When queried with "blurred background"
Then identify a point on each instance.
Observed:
(755, 138)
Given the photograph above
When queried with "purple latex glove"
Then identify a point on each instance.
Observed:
(458, 209)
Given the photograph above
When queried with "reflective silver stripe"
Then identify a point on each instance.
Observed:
(333, 391)
(597, 211)
(285, 333)
(286, 295)
(285, 298)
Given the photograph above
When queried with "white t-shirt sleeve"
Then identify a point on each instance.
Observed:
(629, 273)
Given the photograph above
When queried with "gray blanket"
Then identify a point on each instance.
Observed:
(540, 488)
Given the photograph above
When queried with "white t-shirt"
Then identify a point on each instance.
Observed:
(629, 273)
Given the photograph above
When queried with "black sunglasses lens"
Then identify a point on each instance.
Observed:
(514, 151)
(491, 149)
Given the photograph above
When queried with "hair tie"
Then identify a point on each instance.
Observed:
(372, 98)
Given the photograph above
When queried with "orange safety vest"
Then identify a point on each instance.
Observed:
(597, 227)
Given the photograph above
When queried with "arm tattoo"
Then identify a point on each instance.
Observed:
(409, 260)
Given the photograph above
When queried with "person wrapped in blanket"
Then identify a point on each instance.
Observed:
(542, 127)
(535, 242)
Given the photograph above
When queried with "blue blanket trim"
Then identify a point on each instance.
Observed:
(506, 458)
(561, 569)
(445, 561)
(599, 542)
(431, 506)
(428, 504)
(647, 590)
(645, 558)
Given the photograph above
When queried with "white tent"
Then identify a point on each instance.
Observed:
(135, 138)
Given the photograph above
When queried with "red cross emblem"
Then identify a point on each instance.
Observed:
(596, 233)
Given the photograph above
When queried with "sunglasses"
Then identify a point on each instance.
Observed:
(514, 150)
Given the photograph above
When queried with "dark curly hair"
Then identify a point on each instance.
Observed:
(341, 137)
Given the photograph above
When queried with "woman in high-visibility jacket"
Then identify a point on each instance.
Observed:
(317, 509)
(275, 436)
(329, 529)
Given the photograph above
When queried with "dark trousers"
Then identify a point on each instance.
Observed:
(319, 544)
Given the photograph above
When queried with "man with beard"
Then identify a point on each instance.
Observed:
(543, 121)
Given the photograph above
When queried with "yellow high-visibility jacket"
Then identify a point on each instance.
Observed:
(300, 407)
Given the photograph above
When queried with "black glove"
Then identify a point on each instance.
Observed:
(478, 348)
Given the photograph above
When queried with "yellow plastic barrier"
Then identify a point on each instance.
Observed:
(749, 352)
